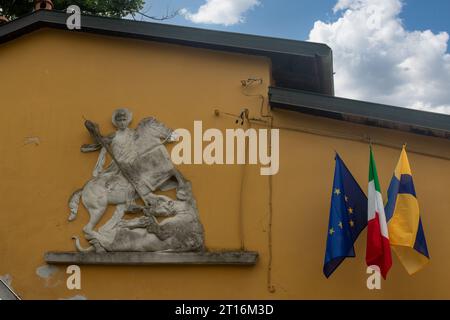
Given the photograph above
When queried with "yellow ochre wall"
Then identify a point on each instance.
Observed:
(52, 80)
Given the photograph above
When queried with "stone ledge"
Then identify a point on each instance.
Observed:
(154, 258)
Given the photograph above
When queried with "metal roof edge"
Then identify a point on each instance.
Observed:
(362, 112)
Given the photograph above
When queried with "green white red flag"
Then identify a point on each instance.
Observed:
(378, 251)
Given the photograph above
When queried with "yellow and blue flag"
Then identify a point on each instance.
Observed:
(348, 217)
(406, 232)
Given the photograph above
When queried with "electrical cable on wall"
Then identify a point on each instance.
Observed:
(268, 120)
(244, 118)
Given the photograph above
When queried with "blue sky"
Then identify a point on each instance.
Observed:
(386, 51)
(294, 19)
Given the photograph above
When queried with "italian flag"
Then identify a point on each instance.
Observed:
(378, 249)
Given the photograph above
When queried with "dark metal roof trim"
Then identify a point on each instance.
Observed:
(367, 113)
(301, 54)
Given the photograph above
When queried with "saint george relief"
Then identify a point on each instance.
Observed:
(140, 166)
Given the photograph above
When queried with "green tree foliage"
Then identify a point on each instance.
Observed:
(111, 8)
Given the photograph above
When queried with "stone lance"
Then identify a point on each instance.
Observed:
(94, 131)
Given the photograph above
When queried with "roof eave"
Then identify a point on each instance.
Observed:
(361, 112)
(309, 66)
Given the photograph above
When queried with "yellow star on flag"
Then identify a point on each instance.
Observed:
(350, 210)
(340, 224)
(331, 231)
(352, 224)
(337, 191)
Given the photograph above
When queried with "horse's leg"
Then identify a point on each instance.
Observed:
(95, 216)
(117, 216)
(95, 200)
(123, 197)
(180, 179)
(183, 190)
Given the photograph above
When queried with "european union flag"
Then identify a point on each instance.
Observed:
(348, 217)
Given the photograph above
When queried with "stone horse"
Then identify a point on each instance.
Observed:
(152, 170)
(180, 231)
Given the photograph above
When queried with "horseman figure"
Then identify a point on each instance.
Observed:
(140, 165)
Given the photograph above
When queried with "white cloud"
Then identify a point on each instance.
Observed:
(226, 12)
(377, 59)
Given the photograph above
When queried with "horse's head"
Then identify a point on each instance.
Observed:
(157, 129)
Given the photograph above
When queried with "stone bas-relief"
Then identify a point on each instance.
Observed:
(140, 166)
